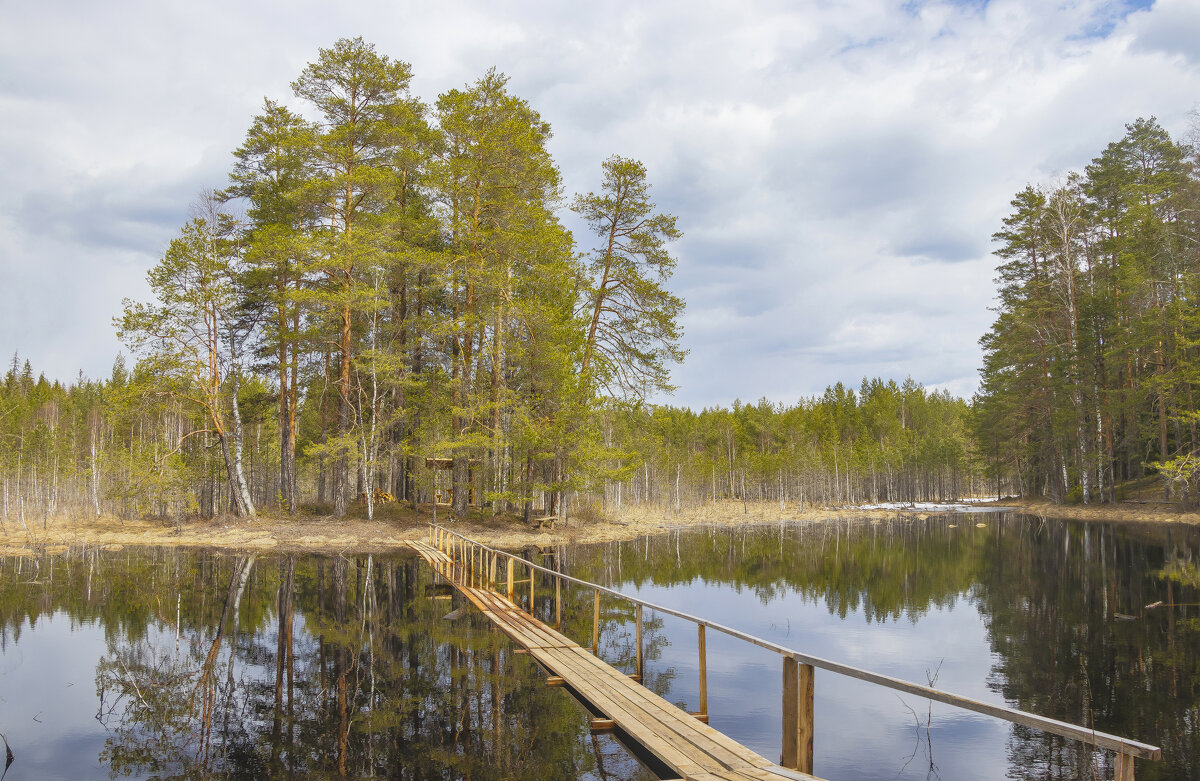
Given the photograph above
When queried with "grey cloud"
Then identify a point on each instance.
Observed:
(837, 202)
(948, 245)
(1173, 29)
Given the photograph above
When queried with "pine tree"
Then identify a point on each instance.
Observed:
(633, 330)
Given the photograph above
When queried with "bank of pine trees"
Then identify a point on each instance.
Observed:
(1091, 369)
(381, 301)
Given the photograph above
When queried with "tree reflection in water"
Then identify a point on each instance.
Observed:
(1069, 611)
(287, 666)
(283, 666)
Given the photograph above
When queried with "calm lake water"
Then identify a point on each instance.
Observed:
(156, 663)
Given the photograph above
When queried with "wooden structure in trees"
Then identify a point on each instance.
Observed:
(683, 741)
(437, 465)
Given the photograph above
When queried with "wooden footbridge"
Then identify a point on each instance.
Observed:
(677, 741)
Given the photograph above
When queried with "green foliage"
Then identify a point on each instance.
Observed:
(633, 331)
(401, 289)
(887, 442)
(1090, 365)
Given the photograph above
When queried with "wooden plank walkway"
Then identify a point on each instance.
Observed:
(679, 740)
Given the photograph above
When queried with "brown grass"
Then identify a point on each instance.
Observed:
(1138, 511)
(396, 524)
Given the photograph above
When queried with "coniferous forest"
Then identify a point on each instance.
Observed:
(1091, 367)
(382, 303)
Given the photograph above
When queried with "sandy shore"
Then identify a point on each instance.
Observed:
(390, 532)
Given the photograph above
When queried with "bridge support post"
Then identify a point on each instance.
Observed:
(1124, 769)
(638, 613)
(510, 580)
(797, 716)
(596, 624)
(703, 653)
(558, 603)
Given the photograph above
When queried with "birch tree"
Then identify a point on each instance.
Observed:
(191, 339)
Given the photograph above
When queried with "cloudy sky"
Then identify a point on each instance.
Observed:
(837, 168)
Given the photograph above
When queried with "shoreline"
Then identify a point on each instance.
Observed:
(314, 534)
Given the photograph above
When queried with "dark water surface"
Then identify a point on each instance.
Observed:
(162, 663)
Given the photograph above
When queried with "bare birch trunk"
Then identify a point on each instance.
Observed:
(239, 477)
(95, 483)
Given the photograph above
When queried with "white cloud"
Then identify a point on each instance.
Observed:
(837, 169)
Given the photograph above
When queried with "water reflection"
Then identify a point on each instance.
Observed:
(149, 662)
(1089, 623)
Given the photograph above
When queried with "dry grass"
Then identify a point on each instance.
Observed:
(395, 524)
(1137, 511)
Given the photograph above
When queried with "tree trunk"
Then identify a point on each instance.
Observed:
(235, 495)
(242, 489)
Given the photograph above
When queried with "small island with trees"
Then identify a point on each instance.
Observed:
(381, 317)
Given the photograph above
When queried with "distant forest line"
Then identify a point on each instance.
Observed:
(382, 304)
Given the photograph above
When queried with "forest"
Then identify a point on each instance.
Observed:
(382, 304)
(1090, 369)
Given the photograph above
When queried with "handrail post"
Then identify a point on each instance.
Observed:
(532, 572)
(638, 613)
(703, 673)
(1124, 769)
(797, 716)
(492, 572)
(596, 623)
(510, 579)
(558, 603)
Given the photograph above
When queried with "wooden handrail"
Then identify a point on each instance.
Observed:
(1103, 740)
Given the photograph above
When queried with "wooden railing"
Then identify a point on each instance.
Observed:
(476, 563)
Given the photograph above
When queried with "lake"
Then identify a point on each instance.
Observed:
(162, 662)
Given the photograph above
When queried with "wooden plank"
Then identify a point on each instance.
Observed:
(664, 750)
(530, 634)
(529, 631)
(657, 712)
(668, 748)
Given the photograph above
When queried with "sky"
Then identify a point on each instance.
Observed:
(837, 169)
